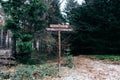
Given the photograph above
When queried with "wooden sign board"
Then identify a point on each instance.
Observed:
(58, 26)
(58, 29)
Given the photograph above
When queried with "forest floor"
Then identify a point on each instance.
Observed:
(86, 68)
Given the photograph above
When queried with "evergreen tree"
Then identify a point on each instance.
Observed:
(24, 18)
(54, 15)
(97, 27)
(70, 5)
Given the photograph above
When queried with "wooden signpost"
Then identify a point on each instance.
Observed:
(59, 28)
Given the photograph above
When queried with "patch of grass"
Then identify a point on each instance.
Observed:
(34, 72)
(5, 76)
(68, 61)
(106, 57)
(30, 72)
(41, 58)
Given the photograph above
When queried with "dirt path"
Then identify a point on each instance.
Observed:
(89, 69)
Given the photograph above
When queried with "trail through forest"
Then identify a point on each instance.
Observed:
(90, 69)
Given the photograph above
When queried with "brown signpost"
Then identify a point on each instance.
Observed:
(59, 28)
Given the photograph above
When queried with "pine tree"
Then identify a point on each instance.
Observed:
(97, 27)
(70, 5)
(24, 18)
(54, 14)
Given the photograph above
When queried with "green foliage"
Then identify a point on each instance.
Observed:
(21, 13)
(97, 27)
(69, 61)
(24, 48)
(38, 58)
(70, 4)
(107, 57)
(26, 37)
(24, 18)
(34, 72)
(24, 51)
(30, 72)
(33, 61)
(12, 25)
(5, 76)
(55, 16)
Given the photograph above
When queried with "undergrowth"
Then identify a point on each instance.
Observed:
(106, 57)
(31, 72)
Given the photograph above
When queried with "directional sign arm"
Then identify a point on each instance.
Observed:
(58, 29)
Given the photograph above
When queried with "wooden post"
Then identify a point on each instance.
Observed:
(59, 28)
(59, 50)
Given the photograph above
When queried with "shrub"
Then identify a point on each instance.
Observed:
(24, 49)
(5, 76)
(34, 72)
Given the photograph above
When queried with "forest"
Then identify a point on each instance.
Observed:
(95, 24)
(97, 27)
(23, 23)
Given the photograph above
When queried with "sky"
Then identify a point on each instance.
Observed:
(80, 1)
(5, 0)
(64, 1)
(63, 4)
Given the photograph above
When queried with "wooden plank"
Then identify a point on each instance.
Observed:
(7, 62)
(59, 50)
(58, 26)
(58, 29)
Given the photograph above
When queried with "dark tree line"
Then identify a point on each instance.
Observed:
(97, 27)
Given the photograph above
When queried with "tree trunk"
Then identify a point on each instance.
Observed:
(4, 39)
(35, 44)
(14, 46)
(1, 39)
